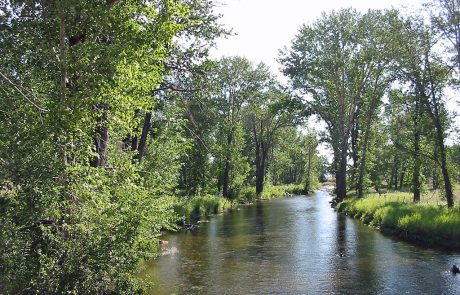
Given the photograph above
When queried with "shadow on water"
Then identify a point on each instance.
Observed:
(297, 246)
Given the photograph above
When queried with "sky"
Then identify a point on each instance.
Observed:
(263, 27)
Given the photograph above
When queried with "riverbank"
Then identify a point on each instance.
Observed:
(198, 207)
(427, 224)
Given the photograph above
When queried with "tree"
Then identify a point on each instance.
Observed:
(336, 61)
(267, 115)
(312, 161)
(445, 17)
(427, 75)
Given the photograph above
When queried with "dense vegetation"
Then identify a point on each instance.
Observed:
(115, 124)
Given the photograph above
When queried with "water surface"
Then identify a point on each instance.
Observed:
(298, 245)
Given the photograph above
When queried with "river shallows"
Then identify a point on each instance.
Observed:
(298, 245)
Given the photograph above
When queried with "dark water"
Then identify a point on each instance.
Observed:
(298, 246)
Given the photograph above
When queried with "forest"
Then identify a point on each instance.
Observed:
(116, 125)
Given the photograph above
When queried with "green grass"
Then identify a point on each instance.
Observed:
(425, 223)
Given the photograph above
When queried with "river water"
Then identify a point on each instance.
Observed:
(298, 245)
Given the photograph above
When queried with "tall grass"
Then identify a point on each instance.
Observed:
(426, 223)
(248, 194)
(194, 208)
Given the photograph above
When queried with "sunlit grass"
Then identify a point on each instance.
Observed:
(394, 212)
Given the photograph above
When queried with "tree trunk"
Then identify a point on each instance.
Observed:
(261, 158)
(134, 143)
(362, 165)
(401, 178)
(416, 172)
(226, 174)
(394, 173)
(445, 172)
(341, 175)
(355, 150)
(145, 132)
(101, 137)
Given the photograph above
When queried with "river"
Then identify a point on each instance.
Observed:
(298, 245)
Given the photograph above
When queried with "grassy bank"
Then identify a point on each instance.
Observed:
(197, 207)
(428, 224)
(194, 208)
(248, 195)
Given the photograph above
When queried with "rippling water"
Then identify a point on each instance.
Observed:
(298, 246)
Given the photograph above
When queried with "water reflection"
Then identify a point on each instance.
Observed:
(298, 246)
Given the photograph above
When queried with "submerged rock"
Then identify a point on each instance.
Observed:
(455, 270)
(163, 243)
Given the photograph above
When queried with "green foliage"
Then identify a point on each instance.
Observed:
(427, 223)
(76, 73)
(340, 62)
(161, 164)
(91, 241)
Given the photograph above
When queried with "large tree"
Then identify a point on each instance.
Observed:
(336, 62)
(267, 115)
(426, 74)
(445, 17)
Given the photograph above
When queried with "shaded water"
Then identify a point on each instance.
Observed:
(298, 246)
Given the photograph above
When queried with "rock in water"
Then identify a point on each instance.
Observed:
(163, 243)
(455, 270)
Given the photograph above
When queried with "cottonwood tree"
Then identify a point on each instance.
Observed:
(445, 17)
(336, 61)
(427, 76)
(232, 84)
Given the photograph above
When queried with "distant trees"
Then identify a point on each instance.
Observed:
(237, 117)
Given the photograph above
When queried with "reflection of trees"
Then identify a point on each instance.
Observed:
(341, 235)
(354, 266)
(366, 254)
